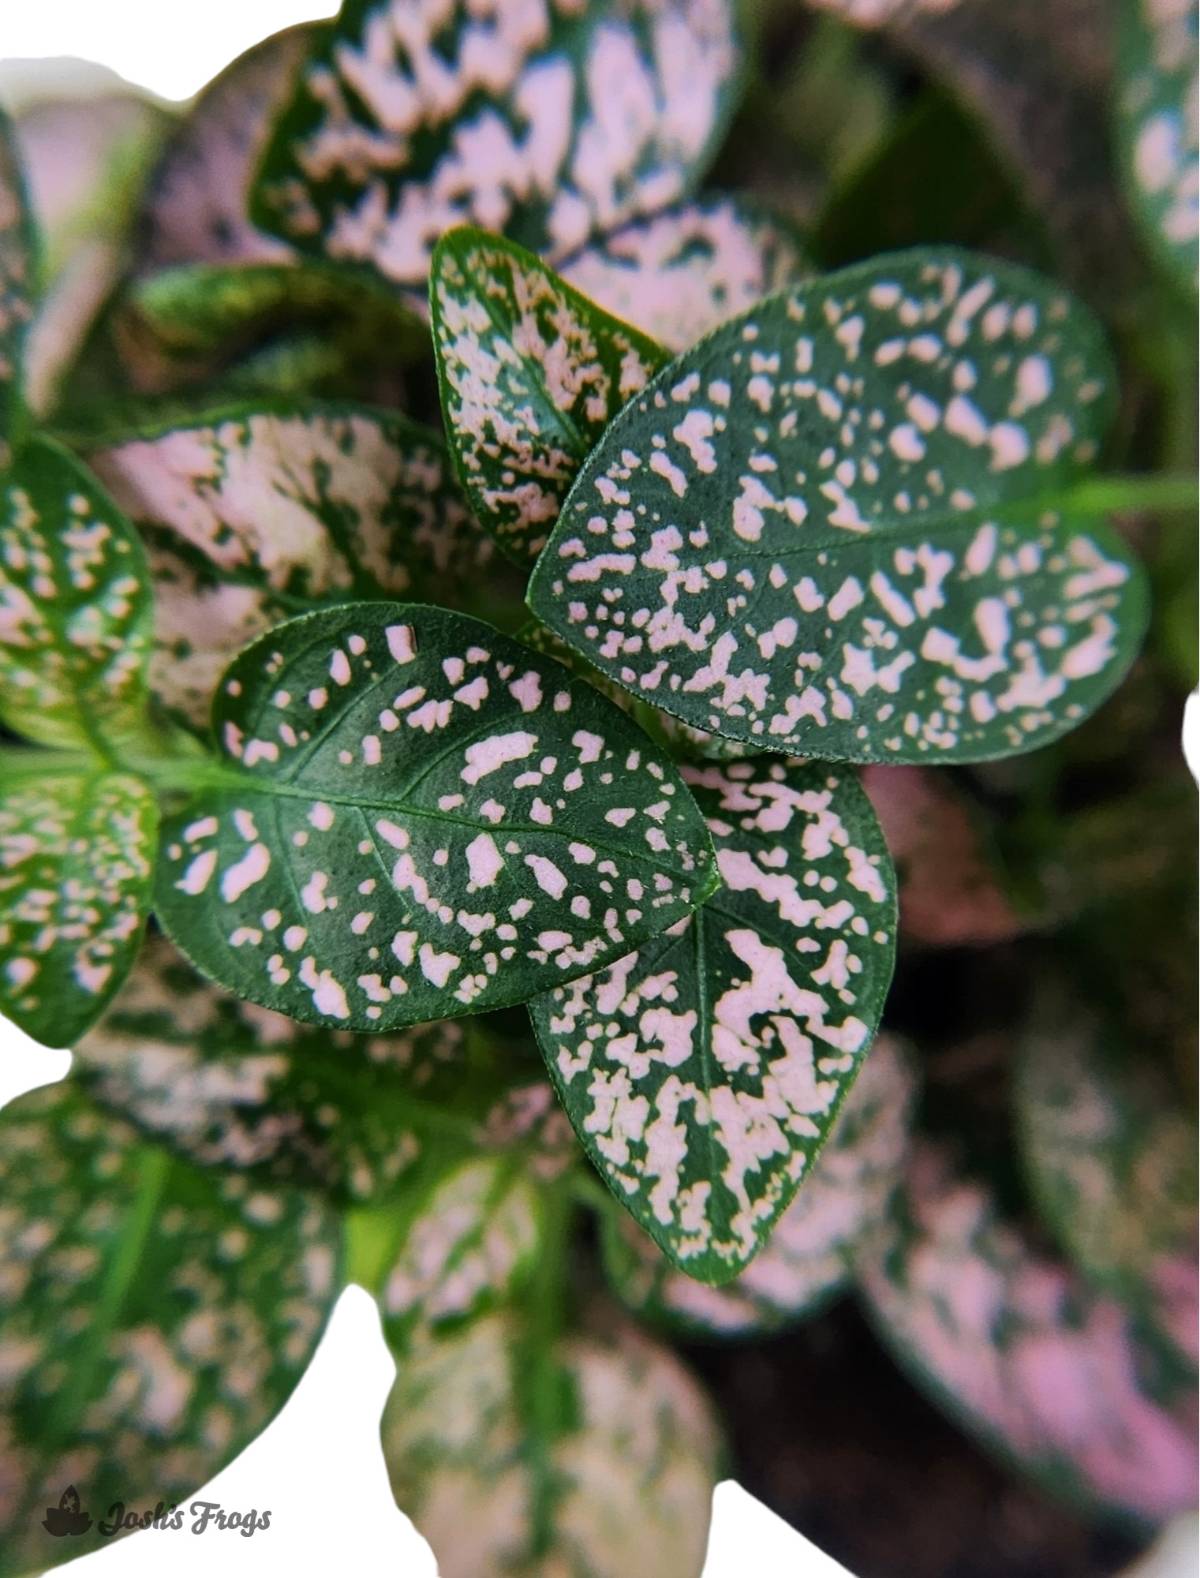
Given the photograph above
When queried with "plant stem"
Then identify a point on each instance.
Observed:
(1099, 495)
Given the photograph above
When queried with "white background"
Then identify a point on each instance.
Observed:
(319, 1466)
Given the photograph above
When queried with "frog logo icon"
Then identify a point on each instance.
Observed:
(68, 1517)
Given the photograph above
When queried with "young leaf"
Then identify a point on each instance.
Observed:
(255, 511)
(704, 1073)
(420, 818)
(530, 373)
(829, 529)
(75, 604)
(612, 1475)
(1157, 126)
(197, 205)
(951, 892)
(76, 867)
(1023, 1354)
(470, 1239)
(806, 1259)
(551, 123)
(227, 1084)
(679, 273)
(17, 284)
(155, 1318)
(1111, 1155)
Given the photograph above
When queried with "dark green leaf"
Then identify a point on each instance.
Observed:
(530, 373)
(551, 122)
(704, 1073)
(1157, 125)
(609, 1474)
(255, 511)
(154, 1318)
(806, 1258)
(831, 527)
(76, 867)
(17, 285)
(419, 817)
(679, 273)
(75, 604)
(1019, 1349)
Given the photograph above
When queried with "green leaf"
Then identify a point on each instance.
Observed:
(197, 204)
(951, 888)
(75, 604)
(1036, 75)
(530, 374)
(613, 1474)
(679, 273)
(704, 1073)
(1110, 1149)
(199, 308)
(830, 528)
(17, 285)
(420, 818)
(1157, 126)
(806, 1259)
(76, 868)
(255, 511)
(227, 1084)
(552, 123)
(1023, 1354)
(154, 1318)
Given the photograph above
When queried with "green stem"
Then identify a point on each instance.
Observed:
(537, 1372)
(1100, 495)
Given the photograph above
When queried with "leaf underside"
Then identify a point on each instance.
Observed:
(807, 1257)
(827, 528)
(704, 1073)
(421, 818)
(255, 512)
(548, 122)
(530, 373)
(155, 1317)
(76, 870)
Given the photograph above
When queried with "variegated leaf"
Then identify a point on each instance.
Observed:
(466, 1242)
(679, 273)
(1019, 1349)
(75, 604)
(153, 1318)
(704, 1072)
(418, 818)
(254, 512)
(549, 121)
(86, 161)
(829, 529)
(197, 208)
(1110, 1149)
(1158, 107)
(17, 286)
(530, 374)
(76, 867)
(951, 887)
(806, 1259)
(227, 1084)
(593, 1459)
